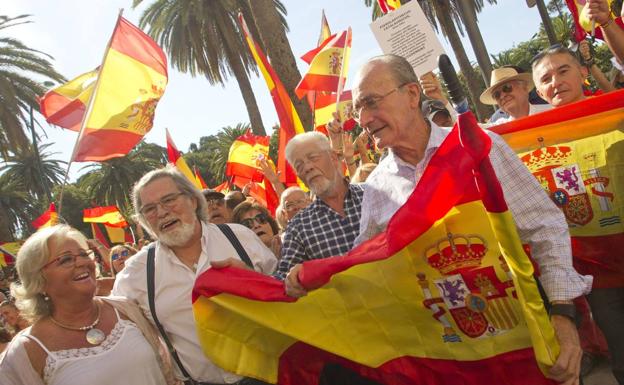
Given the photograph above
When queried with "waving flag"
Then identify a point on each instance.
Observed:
(199, 179)
(445, 295)
(65, 105)
(131, 81)
(175, 157)
(325, 106)
(577, 153)
(389, 5)
(290, 124)
(325, 30)
(47, 219)
(329, 65)
(108, 215)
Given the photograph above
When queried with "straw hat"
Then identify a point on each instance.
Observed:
(503, 75)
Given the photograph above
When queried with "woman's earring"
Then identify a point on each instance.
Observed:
(45, 297)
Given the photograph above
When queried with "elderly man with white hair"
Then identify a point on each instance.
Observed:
(173, 211)
(329, 225)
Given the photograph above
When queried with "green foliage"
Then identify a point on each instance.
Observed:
(18, 90)
(17, 208)
(75, 200)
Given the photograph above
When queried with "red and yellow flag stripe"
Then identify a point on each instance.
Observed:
(47, 219)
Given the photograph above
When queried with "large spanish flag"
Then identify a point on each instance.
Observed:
(577, 153)
(325, 106)
(47, 219)
(445, 295)
(66, 104)
(329, 65)
(290, 124)
(131, 81)
(175, 157)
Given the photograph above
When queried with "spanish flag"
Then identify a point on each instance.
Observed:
(290, 124)
(389, 5)
(445, 295)
(108, 215)
(199, 179)
(8, 252)
(242, 168)
(577, 154)
(582, 24)
(65, 105)
(325, 106)
(131, 80)
(329, 64)
(47, 219)
(175, 157)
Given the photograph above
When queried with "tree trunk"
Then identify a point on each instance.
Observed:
(243, 83)
(443, 14)
(5, 229)
(469, 18)
(273, 36)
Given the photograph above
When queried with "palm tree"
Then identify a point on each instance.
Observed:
(36, 174)
(16, 206)
(110, 182)
(203, 37)
(18, 91)
(218, 146)
(268, 17)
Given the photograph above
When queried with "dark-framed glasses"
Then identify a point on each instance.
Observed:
(261, 218)
(167, 202)
(371, 103)
(506, 88)
(68, 260)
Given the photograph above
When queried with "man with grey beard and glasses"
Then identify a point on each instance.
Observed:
(329, 225)
(173, 211)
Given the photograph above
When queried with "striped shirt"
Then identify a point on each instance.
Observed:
(319, 232)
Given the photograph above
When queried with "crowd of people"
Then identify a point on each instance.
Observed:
(79, 313)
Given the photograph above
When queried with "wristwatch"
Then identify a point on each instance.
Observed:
(566, 310)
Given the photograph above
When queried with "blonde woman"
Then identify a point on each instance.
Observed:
(76, 338)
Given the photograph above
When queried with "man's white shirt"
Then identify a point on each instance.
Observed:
(173, 287)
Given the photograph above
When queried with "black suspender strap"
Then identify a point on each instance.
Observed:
(151, 256)
(229, 234)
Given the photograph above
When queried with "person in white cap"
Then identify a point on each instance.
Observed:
(510, 88)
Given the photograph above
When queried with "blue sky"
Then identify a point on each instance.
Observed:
(75, 33)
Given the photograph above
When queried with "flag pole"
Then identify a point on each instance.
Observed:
(86, 114)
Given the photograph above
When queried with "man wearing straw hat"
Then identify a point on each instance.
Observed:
(510, 87)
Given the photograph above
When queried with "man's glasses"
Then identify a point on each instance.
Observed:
(506, 88)
(167, 202)
(116, 256)
(371, 103)
(69, 260)
(260, 218)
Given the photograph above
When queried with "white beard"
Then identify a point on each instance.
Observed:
(320, 187)
(178, 237)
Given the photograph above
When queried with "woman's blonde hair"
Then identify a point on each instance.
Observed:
(119, 249)
(31, 258)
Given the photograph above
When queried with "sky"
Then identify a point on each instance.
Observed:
(75, 34)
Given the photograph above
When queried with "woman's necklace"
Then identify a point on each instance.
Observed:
(94, 336)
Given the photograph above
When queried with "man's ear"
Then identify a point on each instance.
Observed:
(415, 94)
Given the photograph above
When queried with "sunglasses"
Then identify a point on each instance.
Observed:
(506, 88)
(116, 256)
(260, 218)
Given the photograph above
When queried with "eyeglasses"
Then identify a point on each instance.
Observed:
(260, 218)
(116, 256)
(167, 202)
(371, 103)
(506, 88)
(68, 260)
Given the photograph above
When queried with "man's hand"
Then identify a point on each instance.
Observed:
(598, 11)
(431, 87)
(334, 129)
(230, 262)
(293, 286)
(567, 368)
(585, 50)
